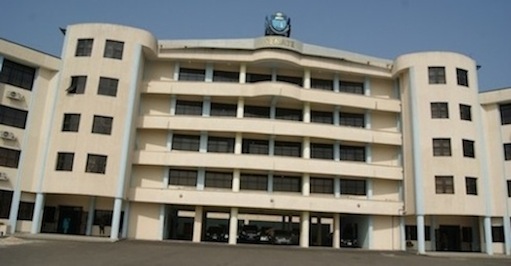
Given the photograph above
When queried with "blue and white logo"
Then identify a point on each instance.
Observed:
(278, 24)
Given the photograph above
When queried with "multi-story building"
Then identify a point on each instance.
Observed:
(132, 137)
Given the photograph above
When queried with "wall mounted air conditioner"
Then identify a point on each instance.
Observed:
(3, 176)
(15, 95)
(7, 135)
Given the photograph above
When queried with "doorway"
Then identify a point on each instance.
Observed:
(448, 238)
(70, 220)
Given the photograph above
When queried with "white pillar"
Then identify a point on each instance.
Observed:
(173, 103)
(367, 86)
(209, 73)
(337, 187)
(206, 106)
(337, 116)
(304, 229)
(402, 233)
(421, 248)
(162, 222)
(176, 71)
(203, 142)
(306, 184)
(90, 215)
(306, 149)
(488, 236)
(273, 74)
(370, 228)
(240, 107)
(271, 146)
(367, 118)
(197, 224)
(201, 178)
(369, 187)
(507, 235)
(38, 213)
(337, 151)
(236, 180)
(270, 182)
(233, 226)
(336, 236)
(243, 73)
(170, 135)
(307, 79)
(126, 216)
(273, 107)
(306, 112)
(238, 141)
(116, 219)
(336, 82)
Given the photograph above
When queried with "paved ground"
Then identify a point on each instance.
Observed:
(76, 252)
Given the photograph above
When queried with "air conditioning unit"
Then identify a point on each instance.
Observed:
(15, 95)
(7, 135)
(3, 176)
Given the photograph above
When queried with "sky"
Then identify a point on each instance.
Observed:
(479, 29)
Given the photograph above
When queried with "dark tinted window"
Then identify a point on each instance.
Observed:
(113, 49)
(9, 157)
(13, 117)
(84, 47)
(108, 86)
(17, 74)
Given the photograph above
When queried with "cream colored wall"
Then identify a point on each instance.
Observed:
(148, 176)
(387, 190)
(383, 88)
(144, 221)
(385, 155)
(152, 140)
(386, 235)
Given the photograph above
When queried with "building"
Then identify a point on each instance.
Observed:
(132, 137)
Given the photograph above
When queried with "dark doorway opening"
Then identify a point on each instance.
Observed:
(70, 220)
(448, 238)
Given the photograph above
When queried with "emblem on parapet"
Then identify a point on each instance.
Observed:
(278, 24)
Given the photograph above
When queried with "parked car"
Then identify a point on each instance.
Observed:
(266, 235)
(217, 234)
(282, 237)
(249, 234)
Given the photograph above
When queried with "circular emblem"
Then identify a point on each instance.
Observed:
(278, 24)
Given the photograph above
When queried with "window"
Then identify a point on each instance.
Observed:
(217, 144)
(108, 86)
(465, 112)
(288, 114)
(441, 147)
(471, 185)
(113, 49)
(251, 78)
(253, 182)
(25, 211)
(436, 75)
(255, 146)
(221, 109)
(505, 114)
(468, 148)
(353, 187)
(17, 74)
(182, 177)
(444, 185)
(256, 111)
(13, 117)
(189, 74)
(188, 108)
(225, 76)
(322, 151)
(96, 163)
(322, 117)
(352, 120)
(9, 158)
(71, 122)
(411, 232)
(352, 153)
(462, 76)
(439, 110)
(185, 143)
(293, 80)
(218, 180)
(507, 151)
(322, 185)
(509, 188)
(65, 161)
(322, 84)
(5, 203)
(102, 125)
(497, 234)
(285, 148)
(287, 183)
(351, 87)
(84, 47)
(77, 85)
(466, 234)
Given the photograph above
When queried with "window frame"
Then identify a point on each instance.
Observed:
(182, 142)
(220, 144)
(102, 125)
(505, 113)
(223, 110)
(288, 148)
(182, 177)
(465, 112)
(437, 75)
(255, 146)
(16, 74)
(282, 183)
(256, 182)
(64, 161)
(355, 187)
(353, 87)
(468, 148)
(442, 147)
(218, 180)
(444, 184)
(319, 185)
(439, 110)
(507, 151)
(462, 77)
(9, 157)
(191, 74)
(352, 153)
(188, 108)
(96, 163)
(113, 49)
(108, 86)
(78, 85)
(352, 120)
(71, 122)
(13, 117)
(322, 151)
(84, 47)
(471, 185)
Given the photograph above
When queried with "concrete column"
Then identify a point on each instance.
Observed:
(270, 182)
(38, 213)
(370, 228)
(421, 242)
(304, 229)
(367, 86)
(273, 107)
(176, 71)
(336, 82)
(233, 226)
(162, 222)
(116, 219)
(488, 242)
(369, 187)
(337, 187)
(336, 236)
(240, 107)
(243, 73)
(209, 73)
(170, 135)
(165, 177)
(173, 103)
(238, 143)
(402, 233)
(306, 148)
(306, 184)
(90, 215)
(197, 224)
(337, 116)
(367, 118)
(206, 106)
(507, 235)
(271, 146)
(369, 153)
(126, 220)
(307, 79)
(273, 74)
(337, 151)
(203, 145)
(201, 178)
(306, 112)
(236, 180)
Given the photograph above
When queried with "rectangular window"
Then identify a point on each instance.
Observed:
(71, 122)
(288, 114)
(13, 117)
(322, 117)
(497, 234)
(113, 49)
(102, 125)
(251, 78)
(182, 177)
(507, 151)
(462, 76)
(322, 185)
(352, 120)
(222, 109)
(189, 74)
(84, 47)
(293, 80)
(287, 183)
(5, 203)
(353, 187)
(351, 87)
(96, 163)
(77, 85)
(468, 148)
(255, 146)
(436, 75)
(253, 182)
(322, 84)
(185, 143)
(322, 151)
(25, 211)
(256, 111)
(65, 161)
(217, 144)
(285, 148)
(505, 114)
(188, 108)
(509, 188)
(218, 180)
(108, 86)
(466, 234)
(465, 112)
(9, 158)
(226, 76)
(441, 147)
(471, 185)
(17, 74)
(444, 185)
(411, 232)
(353, 153)
(439, 110)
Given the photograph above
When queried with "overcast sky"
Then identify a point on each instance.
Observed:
(381, 28)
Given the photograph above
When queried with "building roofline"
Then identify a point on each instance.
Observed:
(28, 47)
